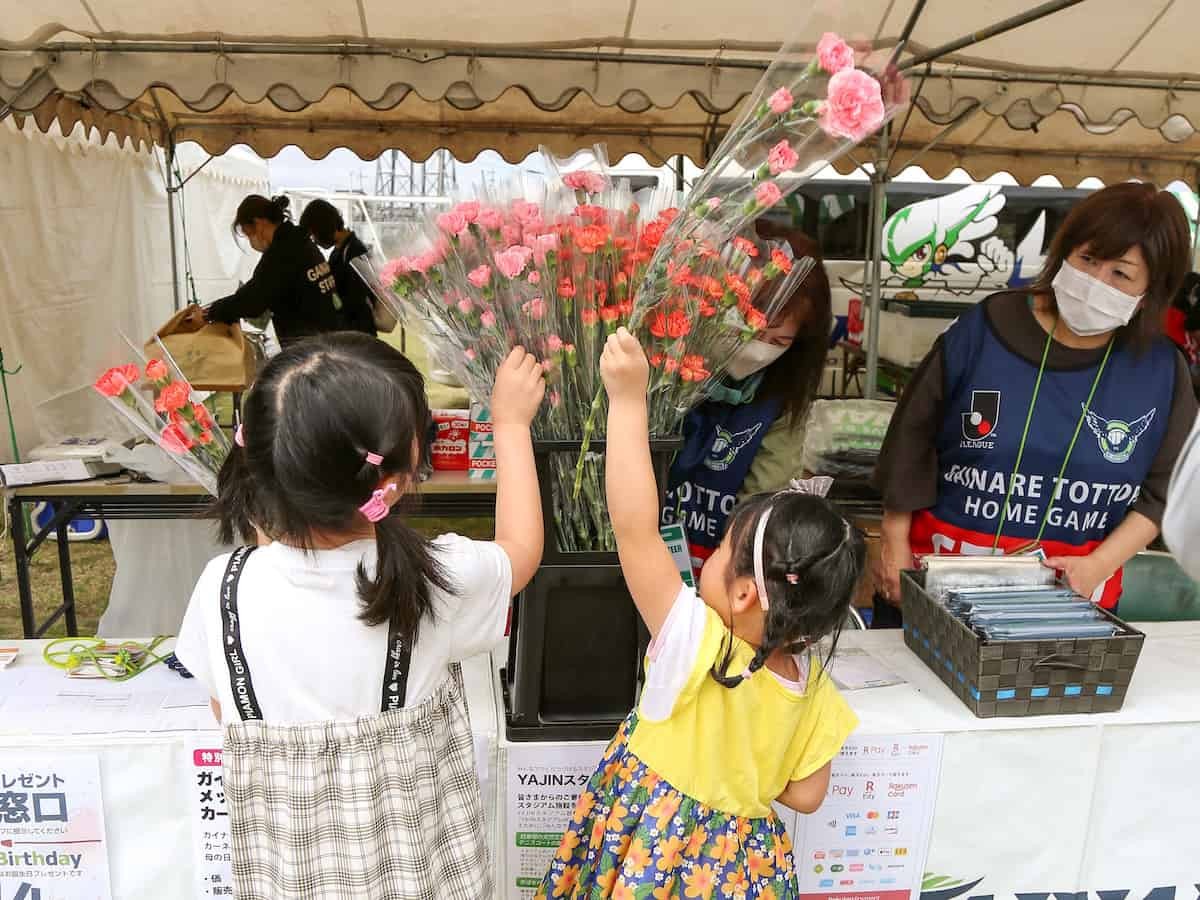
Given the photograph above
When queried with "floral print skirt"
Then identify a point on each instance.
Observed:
(635, 837)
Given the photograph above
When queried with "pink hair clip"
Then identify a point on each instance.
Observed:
(376, 508)
(238, 437)
(374, 459)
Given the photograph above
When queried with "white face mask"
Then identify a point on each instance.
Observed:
(1088, 306)
(752, 358)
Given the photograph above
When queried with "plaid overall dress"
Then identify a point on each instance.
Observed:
(385, 807)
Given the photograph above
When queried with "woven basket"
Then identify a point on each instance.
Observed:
(1019, 678)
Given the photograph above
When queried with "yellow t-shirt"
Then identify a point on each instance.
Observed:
(733, 749)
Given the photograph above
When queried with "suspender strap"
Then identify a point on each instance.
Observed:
(396, 668)
(231, 638)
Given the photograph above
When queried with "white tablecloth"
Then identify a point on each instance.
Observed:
(140, 746)
(1034, 806)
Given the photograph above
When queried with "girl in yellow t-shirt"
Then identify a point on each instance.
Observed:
(736, 711)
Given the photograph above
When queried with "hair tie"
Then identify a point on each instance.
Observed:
(374, 459)
(376, 508)
(238, 437)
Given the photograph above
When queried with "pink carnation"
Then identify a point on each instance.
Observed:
(426, 261)
(465, 306)
(452, 222)
(469, 210)
(554, 343)
(782, 158)
(511, 262)
(511, 234)
(544, 244)
(768, 194)
(469, 354)
(534, 277)
(488, 318)
(490, 218)
(589, 182)
(854, 107)
(834, 54)
(714, 202)
(781, 101)
(392, 270)
(535, 307)
(555, 398)
(480, 276)
(526, 213)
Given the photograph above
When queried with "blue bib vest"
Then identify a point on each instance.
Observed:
(988, 389)
(720, 443)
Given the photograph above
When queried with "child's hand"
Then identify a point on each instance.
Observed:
(519, 388)
(623, 367)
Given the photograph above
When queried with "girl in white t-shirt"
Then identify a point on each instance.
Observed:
(332, 652)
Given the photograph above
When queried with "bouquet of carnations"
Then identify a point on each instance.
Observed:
(157, 400)
(559, 268)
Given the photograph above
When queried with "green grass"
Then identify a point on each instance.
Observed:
(92, 563)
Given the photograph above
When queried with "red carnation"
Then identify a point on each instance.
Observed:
(117, 380)
(174, 439)
(172, 398)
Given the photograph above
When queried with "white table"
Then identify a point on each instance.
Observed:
(1036, 806)
(1033, 806)
(142, 757)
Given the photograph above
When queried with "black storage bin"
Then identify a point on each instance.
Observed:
(1019, 678)
(577, 641)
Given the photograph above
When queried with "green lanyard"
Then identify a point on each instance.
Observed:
(1037, 385)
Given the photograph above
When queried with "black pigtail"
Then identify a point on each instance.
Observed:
(235, 506)
(720, 670)
(406, 567)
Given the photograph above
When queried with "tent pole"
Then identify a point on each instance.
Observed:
(879, 176)
(170, 151)
(978, 37)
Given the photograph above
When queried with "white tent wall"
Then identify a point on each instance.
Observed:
(205, 214)
(85, 257)
(82, 240)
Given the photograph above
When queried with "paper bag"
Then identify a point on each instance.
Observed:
(213, 356)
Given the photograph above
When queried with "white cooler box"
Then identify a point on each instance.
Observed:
(908, 328)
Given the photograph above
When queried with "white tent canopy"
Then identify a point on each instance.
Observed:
(1104, 87)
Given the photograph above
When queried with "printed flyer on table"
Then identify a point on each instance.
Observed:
(52, 843)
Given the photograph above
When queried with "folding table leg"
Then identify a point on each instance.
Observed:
(68, 580)
(16, 520)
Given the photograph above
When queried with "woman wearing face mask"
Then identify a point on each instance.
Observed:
(1053, 416)
(748, 437)
(326, 227)
(292, 281)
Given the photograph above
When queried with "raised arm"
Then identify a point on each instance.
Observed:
(515, 398)
(632, 494)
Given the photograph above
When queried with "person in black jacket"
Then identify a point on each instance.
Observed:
(324, 224)
(292, 281)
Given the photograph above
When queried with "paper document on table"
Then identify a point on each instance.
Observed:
(186, 694)
(854, 669)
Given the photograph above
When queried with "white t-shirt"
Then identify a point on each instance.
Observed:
(311, 659)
